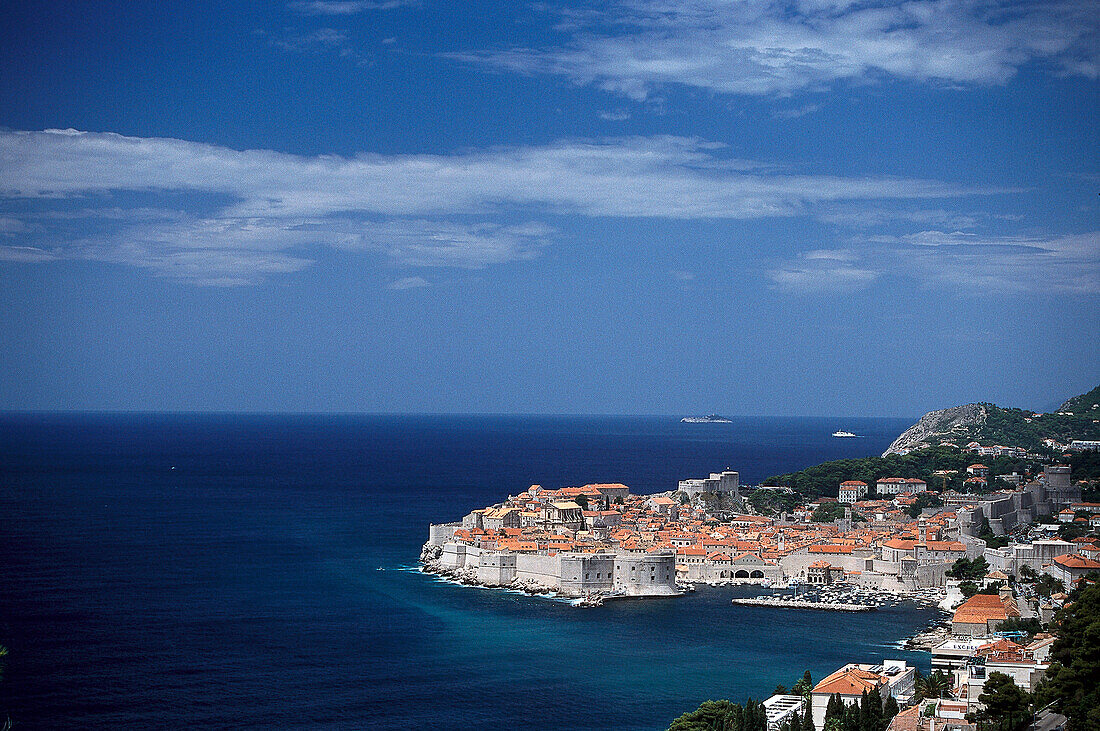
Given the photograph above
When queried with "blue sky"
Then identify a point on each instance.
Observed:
(807, 208)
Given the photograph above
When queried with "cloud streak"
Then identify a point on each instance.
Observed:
(963, 262)
(774, 48)
(263, 211)
(665, 177)
(346, 7)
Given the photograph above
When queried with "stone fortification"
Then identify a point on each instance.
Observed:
(936, 425)
(567, 574)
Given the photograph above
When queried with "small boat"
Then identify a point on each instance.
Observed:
(708, 419)
(843, 434)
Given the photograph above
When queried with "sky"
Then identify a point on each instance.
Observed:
(816, 207)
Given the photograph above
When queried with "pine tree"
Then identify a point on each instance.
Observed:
(851, 717)
(803, 686)
(890, 709)
(808, 720)
(874, 711)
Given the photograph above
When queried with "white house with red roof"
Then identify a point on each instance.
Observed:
(893, 678)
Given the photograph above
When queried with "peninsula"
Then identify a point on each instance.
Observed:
(891, 531)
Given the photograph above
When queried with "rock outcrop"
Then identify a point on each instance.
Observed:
(937, 425)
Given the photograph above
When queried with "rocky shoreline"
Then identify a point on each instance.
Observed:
(928, 638)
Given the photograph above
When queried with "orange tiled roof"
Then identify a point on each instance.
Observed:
(981, 608)
(851, 682)
(1076, 561)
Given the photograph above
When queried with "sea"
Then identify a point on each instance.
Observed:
(208, 571)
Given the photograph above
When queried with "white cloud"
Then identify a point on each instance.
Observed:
(774, 48)
(345, 7)
(408, 283)
(25, 254)
(616, 116)
(962, 262)
(822, 275)
(796, 112)
(441, 243)
(417, 210)
(667, 177)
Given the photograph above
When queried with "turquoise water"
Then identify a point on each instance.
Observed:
(257, 571)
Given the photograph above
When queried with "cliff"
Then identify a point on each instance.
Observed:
(935, 426)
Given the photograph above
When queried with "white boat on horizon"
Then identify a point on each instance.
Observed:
(842, 433)
(708, 419)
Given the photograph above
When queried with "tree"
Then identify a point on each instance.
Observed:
(1073, 679)
(804, 685)
(710, 716)
(969, 589)
(935, 685)
(1007, 705)
(792, 724)
(964, 568)
(924, 500)
(1048, 585)
(581, 500)
(834, 708)
(1032, 626)
(870, 711)
(827, 512)
(780, 690)
(890, 709)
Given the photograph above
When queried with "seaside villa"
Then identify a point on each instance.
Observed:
(893, 678)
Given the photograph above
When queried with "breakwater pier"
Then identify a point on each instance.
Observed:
(789, 603)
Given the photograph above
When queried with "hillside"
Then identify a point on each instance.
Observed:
(990, 424)
(824, 479)
(1086, 403)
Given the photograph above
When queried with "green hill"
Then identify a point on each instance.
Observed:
(1085, 404)
(989, 424)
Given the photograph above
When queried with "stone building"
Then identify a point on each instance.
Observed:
(719, 483)
(982, 614)
(1061, 492)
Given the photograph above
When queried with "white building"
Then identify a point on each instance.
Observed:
(780, 708)
(898, 485)
(852, 491)
(893, 678)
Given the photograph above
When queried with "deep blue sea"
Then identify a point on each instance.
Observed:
(239, 571)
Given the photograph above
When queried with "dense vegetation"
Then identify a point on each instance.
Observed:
(1085, 404)
(771, 502)
(966, 569)
(1007, 706)
(1086, 466)
(1018, 428)
(726, 716)
(828, 512)
(824, 479)
(870, 714)
(1073, 680)
(924, 500)
(723, 716)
